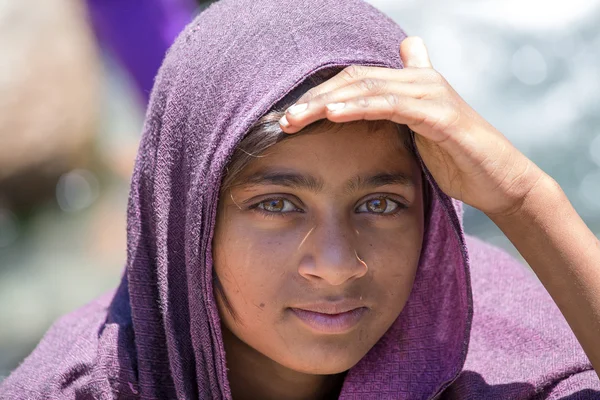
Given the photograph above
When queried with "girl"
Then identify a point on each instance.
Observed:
(314, 251)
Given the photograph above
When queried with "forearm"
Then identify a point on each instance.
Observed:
(564, 254)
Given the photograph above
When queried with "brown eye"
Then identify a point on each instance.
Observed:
(380, 205)
(377, 205)
(274, 205)
(281, 206)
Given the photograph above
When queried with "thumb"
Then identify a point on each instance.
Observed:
(414, 53)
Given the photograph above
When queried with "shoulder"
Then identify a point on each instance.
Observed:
(520, 343)
(63, 363)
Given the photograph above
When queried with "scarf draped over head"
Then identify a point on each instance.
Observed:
(229, 67)
(161, 337)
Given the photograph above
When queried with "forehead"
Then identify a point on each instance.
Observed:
(337, 153)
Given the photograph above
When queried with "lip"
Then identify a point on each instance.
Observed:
(330, 318)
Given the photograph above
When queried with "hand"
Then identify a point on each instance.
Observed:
(469, 159)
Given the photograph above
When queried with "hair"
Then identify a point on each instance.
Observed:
(266, 132)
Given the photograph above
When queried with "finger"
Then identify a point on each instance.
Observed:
(316, 108)
(418, 114)
(399, 109)
(354, 73)
(414, 53)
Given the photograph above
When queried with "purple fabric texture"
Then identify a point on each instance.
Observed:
(158, 335)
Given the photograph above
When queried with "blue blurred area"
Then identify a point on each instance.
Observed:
(531, 68)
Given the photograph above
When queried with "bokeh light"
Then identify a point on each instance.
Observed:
(529, 66)
(77, 190)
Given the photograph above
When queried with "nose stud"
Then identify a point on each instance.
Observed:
(361, 261)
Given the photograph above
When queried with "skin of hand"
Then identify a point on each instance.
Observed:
(469, 159)
(473, 162)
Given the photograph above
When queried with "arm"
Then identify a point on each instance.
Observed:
(564, 254)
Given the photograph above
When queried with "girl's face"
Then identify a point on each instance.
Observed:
(317, 245)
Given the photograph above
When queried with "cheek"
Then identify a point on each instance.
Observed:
(398, 253)
(393, 257)
(252, 265)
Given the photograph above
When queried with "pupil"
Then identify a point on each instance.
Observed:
(377, 205)
(275, 205)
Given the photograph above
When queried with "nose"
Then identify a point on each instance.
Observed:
(330, 255)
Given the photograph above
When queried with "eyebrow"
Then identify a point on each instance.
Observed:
(382, 179)
(288, 179)
(313, 184)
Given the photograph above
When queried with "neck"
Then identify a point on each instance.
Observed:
(252, 375)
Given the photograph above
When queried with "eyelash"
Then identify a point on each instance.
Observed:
(274, 214)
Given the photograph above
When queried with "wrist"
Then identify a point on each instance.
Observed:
(544, 195)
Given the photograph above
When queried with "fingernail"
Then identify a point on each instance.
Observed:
(284, 122)
(297, 108)
(335, 106)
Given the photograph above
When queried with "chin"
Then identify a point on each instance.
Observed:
(325, 358)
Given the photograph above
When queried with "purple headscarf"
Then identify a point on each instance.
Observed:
(158, 336)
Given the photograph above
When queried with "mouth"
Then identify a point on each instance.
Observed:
(330, 318)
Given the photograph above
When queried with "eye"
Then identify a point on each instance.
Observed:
(276, 206)
(380, 205)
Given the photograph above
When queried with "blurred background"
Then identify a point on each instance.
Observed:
(75, 76)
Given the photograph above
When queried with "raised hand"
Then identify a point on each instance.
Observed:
(469, 159)
(473, 162)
